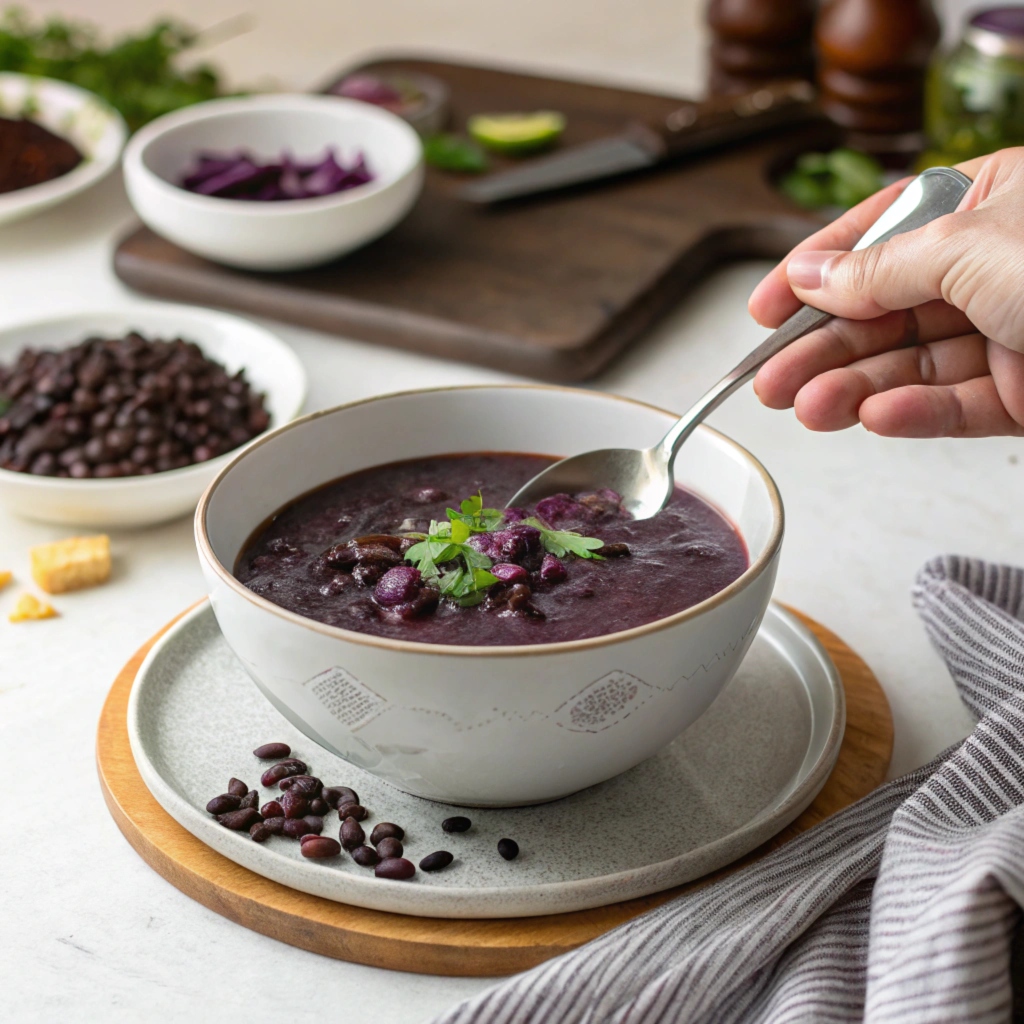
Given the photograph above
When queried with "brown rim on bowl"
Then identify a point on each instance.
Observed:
(754, 570)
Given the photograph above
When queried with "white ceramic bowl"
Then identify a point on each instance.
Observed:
(270, 366)
(95, 128)
(281, 235)
(488, 726)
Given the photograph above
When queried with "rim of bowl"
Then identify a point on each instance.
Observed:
(151, 479)
(92, 168)
(135, 151)
(748, 576)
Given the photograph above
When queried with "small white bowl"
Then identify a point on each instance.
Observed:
(93, 126)
(270, 366)
(491, 726)
(281, 235)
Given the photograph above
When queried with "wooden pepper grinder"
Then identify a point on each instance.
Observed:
(756, 41)
(872, 56)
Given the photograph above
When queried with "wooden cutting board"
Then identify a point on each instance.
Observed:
(425, 945)
(551, 287)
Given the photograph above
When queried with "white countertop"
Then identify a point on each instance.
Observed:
(89, 932)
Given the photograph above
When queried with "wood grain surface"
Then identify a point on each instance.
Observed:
(550, 287)
(431, 945)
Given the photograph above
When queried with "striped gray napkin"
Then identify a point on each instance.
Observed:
(903, 907)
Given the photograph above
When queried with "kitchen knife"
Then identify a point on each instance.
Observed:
(690, 128)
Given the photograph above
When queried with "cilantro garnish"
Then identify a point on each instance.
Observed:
(562, 542)
(445, 557)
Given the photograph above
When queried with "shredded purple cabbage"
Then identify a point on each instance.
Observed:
(242, 176)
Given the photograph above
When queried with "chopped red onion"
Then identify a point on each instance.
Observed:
(243, 176)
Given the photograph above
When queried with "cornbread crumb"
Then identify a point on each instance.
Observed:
(5, 577)
(30, 607)
(71, 564)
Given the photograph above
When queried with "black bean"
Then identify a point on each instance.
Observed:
(356, 811)
(259, 833)
(386, 830)
(613, 551)
(275, 825)
(277, 772)
(338, 795)
(319, 847)
(397, 868)
(236, 787)
(317, 806)
(294, 828)
(365, 856)
(351, 834)
(436, 861)
(239, 820)
(272, 809)
(508, 848)
(306, 785)
(272, 751)
(251, 799)
(456, 824)
(223, 803)
(388, 848)
(294, 804)
(315, 823)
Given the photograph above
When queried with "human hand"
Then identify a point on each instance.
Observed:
(931, 340)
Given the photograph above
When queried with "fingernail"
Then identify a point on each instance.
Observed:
(807, 269)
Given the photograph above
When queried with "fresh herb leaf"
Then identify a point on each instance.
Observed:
(444, 555)
(562, 542)
(475, 516)
(454, 153)
(138, 74)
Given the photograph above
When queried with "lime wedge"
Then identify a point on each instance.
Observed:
(517, 133)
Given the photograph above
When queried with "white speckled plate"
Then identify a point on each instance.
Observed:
(742, 772)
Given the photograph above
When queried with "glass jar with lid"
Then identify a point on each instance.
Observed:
(974, 94)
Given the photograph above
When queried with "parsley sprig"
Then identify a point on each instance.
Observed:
(444, 555)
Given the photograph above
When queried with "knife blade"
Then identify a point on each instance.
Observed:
(690, 128)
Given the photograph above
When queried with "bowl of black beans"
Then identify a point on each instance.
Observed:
(121, 417)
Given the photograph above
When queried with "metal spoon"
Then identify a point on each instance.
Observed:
(644, 477)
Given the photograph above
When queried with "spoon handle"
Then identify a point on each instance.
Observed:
(931, 195)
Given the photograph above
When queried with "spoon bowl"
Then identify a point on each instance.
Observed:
(634, 473)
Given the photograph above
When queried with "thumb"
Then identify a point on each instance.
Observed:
(903, 272)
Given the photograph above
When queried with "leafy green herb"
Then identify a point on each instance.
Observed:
(445, 556)
(475, 516)
(562, 542)
(465, 576)
(842, 178)
(137, 74)
(5, 404)
(454, 153)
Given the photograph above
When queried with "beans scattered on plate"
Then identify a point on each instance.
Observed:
(298, 813)
(386, 830)
(114, 407)
(388, 848)
(396, 868)
(508, 848)
(272, 751)
(436, 861)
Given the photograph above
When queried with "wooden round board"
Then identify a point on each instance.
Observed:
(432, 945)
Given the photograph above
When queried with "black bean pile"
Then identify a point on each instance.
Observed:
(299, 812)
(113, 407)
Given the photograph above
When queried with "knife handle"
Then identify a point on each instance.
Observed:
(725, 119)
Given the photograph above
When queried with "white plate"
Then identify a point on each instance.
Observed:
(270, 366)
(92, 125)
(742, 772)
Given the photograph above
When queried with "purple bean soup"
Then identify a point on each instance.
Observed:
(413, 551)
